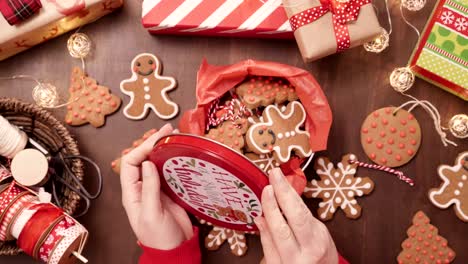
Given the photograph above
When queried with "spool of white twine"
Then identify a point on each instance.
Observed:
(12, 139)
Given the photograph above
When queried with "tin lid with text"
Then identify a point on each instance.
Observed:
(210, 180)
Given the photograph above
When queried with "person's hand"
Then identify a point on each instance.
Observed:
(300, 238)
(156, 220)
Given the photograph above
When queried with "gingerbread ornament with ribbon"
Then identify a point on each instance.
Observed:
(390, 136)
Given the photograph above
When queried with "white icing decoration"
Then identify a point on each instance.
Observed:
(146, 88)
(145, 80)
(456, 192)
(446, 182)
(293, 133)
(280, 135)
(147, 96)
(287, 134)
(348, 181)
(270, 122)
(326, 182)
(156, 75)
(460, 184)
(338, 192)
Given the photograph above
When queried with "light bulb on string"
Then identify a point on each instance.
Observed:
(45, 95)
(458, 126)
(382, 41)
(379, 44)
(402, 79)
(413, 5)
(79, 45)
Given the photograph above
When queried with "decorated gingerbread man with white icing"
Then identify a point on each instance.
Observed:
(454, 189)
(280, 133)
(148, 89)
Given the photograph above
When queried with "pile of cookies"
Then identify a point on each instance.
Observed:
(263, 119)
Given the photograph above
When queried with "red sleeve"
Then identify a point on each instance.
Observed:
(341, 260)
(186, 253)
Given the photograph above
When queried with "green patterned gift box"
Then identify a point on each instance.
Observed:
(441, 56)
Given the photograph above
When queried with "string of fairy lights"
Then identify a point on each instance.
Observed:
(45, 94)
(401, 79)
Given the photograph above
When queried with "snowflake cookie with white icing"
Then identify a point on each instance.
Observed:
(338, 187)
(454, 189)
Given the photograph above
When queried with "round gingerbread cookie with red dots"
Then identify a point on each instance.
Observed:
(390, 136)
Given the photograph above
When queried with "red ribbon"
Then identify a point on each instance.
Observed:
(39, 223)
(342, 13)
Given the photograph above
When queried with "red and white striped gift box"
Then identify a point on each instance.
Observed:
(232, 18)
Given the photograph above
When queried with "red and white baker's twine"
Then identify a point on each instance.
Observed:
(399, 174)
(230, 112)
(342, 13)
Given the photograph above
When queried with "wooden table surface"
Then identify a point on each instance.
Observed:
(355, 82)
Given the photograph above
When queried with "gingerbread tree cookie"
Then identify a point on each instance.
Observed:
(424, 244)
(280, 133)
(454, 189)
(263, 91)
(338, 187)
(89, 102)
(148, 89)
(116, 163)
(230, 133)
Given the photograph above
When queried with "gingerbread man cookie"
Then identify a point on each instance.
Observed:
(230, 133)
(89, 102)
(280, 133)
(454, 189)
(148, 89)
(424, 244)
(390, 138)
(263, 91)
(337, 187)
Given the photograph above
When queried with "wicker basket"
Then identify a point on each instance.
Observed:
(41, 126)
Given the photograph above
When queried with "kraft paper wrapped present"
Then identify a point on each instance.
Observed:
(227, 18)
(441, 56)
(326, 27)
(53, 19)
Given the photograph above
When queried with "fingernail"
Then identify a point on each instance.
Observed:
(269, 192)
(176, 131)
(277, 174)
(146, 168)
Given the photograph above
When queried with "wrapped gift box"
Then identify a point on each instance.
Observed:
(441, 56)
(54, 18)
(317, 31)
(239, 18)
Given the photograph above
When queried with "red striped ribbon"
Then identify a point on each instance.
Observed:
(400, 175)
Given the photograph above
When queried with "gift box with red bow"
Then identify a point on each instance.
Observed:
(325, 27)
(228, 18)
(27, 23)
